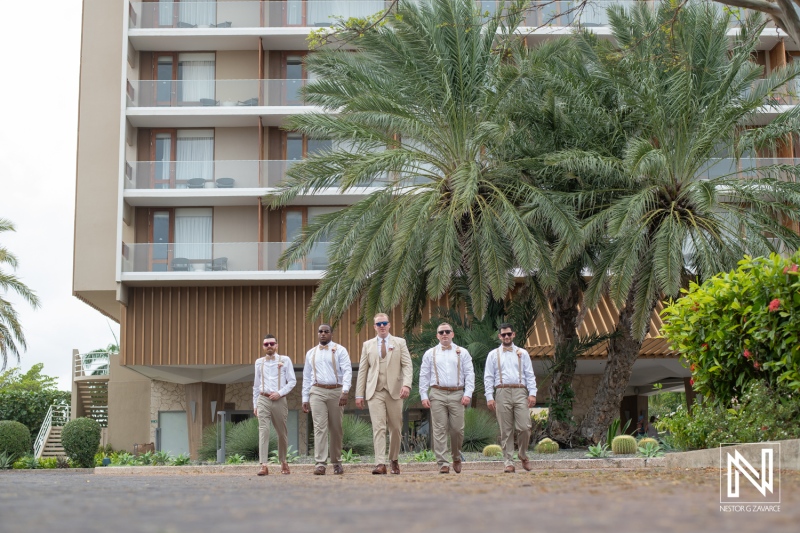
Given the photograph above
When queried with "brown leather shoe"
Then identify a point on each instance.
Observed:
(264, 471)
(379, 469)
(457, 467)
(338, 470)
(526, 464)
(284, 468)
(509, 469)
(319, 470)
(395, 466)
(444, 469)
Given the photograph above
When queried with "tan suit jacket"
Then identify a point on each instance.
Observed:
(399, 372)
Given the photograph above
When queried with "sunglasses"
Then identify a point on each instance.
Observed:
(324, 331)
(506, 334)
(444, 332)
(382, 324)
(270, 344)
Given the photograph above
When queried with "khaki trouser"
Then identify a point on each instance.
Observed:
(327, 416)
(447, 417)
(276, 412)
(513, 414)
(385, 411)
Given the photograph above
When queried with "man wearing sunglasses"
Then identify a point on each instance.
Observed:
(326, 381)
(384, 380)
(510, 372)
(448, 376)
(274, 379)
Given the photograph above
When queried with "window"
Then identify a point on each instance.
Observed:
(184, 79)
(180, 239)
(182, 158)
(294, 219)
(193, 233)
(187, 13)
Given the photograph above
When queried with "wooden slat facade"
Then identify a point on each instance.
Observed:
(225, 325)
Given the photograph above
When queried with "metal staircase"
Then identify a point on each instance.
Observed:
(90, 381)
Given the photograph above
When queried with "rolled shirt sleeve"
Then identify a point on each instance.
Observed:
(257, 383)
(469, 373)
(527, 372)
(308, 377)
(345, 367)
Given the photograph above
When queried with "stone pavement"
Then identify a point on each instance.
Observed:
(653, 499)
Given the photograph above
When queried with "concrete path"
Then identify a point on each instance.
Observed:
(651, 499)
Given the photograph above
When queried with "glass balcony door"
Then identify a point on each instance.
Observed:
(184, 79)
(182, 159)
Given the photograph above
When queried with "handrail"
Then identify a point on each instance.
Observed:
(91, 364)
(57, 413)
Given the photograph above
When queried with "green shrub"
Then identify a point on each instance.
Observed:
(161, 458)
(208, 447)
(760, 415)
(623, 445)
(48, 462)
(6, 460)
(739, 327)
(493, 450)
(234, 459)
(547, 446)
(242, 439)
(480, 430)
(15, 438)
(182, 460)
(30, 407)
(357, 435)
(80, 438)
(122, 459)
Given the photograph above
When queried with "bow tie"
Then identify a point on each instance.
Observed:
(324, 347)
(447, 348)
(269, 357)
(508, 349)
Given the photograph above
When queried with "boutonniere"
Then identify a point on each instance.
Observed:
(280, 364)
(333, 349)
(391, 347)
(519, 353)
(458, 351)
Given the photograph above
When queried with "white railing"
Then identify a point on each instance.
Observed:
(91, 364)
(56, 415)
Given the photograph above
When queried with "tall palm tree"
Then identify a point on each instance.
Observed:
(11, 335)
(694, 97)
(414, 114)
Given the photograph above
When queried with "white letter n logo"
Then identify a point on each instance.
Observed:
(739, 462)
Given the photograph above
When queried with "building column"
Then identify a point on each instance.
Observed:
(198, 410)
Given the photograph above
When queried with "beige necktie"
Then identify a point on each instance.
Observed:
(383, 348)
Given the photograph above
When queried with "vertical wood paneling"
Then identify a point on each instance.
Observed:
(225, 325)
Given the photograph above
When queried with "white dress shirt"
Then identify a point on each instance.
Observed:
(447, 366)
(319, 357)
(510, 364)
(268, 373)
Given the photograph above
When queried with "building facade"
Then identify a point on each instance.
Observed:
(181, 108)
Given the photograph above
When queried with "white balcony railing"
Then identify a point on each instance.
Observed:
(215, 93)
(746, 167)
(91, 364)
(221, 174)
(208, 259)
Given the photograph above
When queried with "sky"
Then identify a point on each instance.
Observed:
(39, 96)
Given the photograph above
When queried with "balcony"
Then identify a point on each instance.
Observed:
(746, 167)
(194, 175)
(215, 93)
(219, 260)
(189, 16)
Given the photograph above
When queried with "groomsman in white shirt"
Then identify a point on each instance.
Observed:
(447, 374)
(509, 370)
(326, 381)
(274, 379)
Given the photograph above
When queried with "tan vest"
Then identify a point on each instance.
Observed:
(382, 383)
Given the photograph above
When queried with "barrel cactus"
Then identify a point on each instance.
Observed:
(493, 450)
(547, 446)
(624, 445)
(647, 440)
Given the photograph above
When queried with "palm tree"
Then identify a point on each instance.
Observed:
(693, 97)
(11, 335)
(414, 114)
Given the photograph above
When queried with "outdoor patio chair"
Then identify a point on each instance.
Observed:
(196, 183)
(250, 102)
(208, 102)
(180, 264)
(220, 263)
(226, 24)
(186, 25)
(225, 183)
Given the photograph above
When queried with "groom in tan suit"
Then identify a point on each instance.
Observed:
(384, 380)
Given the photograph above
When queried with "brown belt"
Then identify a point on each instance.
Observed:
(448, 389)
(511, 387)
(265, 393)
(330, 387)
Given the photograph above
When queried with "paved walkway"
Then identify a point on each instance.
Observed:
(544, 501)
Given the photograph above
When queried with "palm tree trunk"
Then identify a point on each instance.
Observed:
(565, 316)
(622, 352)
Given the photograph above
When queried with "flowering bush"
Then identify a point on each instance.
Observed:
(760, 414)
(739, 327)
